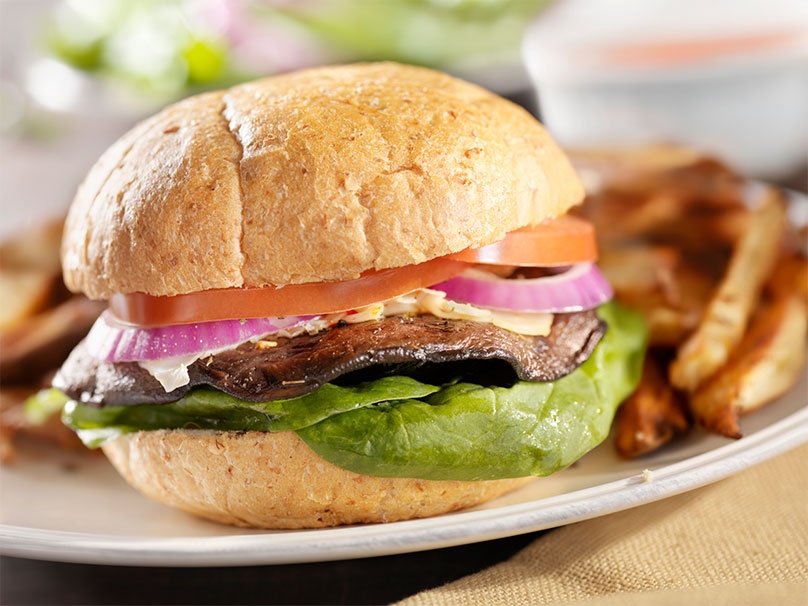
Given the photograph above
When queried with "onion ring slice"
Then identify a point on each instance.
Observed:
(578, 288)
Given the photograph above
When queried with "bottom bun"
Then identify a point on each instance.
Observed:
(274, 480)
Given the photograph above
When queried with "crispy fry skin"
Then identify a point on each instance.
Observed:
(652, 416)
(790, 276)
(23, 294)
(768, 361)
(660, 283)
(40, 322)
(15, 424)
(679, 244)
(33, 248)
(665, 195)
(727, 316)
(41, 343)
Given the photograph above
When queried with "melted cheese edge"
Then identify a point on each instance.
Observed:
(172, 373)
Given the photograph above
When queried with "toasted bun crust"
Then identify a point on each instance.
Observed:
(273, 480)
(313, 176)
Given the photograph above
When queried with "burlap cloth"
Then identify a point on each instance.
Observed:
(743, 540)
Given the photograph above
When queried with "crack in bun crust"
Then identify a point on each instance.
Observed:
(273, 480)
(311, 176)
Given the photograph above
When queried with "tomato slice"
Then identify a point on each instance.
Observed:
(312, 298)
(563, 241)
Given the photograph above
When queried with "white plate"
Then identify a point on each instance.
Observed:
(76, 509)
(58, 507)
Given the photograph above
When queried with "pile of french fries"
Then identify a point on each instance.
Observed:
(721, 277)
(40, 323)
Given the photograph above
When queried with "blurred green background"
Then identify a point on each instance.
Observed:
(76, 74)
(167, 48)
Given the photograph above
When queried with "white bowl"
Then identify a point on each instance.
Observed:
(677, 73)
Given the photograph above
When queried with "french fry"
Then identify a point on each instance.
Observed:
(29, 273)
(628, 162)
(665, 194)
(23, 294)
(639, 268)
(680, 244)
(43, 341)
(767, 362)
(35, 247)
(727, 315)
(790, 275)
(40, 322)
(652, 169)
(15, 423)
(652, 416)
(659, 283)
(801, 238)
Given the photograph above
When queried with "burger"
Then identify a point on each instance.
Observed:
(349, 294)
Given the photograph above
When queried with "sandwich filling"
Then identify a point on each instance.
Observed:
(278, 367)
(507, 369)
(460, 427)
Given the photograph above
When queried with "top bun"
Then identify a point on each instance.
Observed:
(311, 176)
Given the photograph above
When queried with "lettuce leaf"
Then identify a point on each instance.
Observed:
(469, 432)
(207, 408)
(399, 427)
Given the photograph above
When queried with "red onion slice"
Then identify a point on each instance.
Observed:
(579, 288)
(112, 341)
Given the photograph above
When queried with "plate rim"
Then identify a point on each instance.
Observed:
(460, 528)
(448, 530)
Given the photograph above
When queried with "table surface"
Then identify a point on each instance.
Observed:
(379, 580)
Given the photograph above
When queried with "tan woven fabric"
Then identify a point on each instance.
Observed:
(743, 540)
